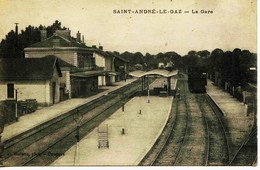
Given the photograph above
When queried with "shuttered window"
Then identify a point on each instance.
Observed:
(10, 90)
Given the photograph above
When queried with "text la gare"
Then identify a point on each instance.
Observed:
(202, 11)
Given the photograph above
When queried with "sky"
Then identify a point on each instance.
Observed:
(231, 25)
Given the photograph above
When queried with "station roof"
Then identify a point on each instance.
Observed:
(160, 72)
(28, 68)
(64, 42)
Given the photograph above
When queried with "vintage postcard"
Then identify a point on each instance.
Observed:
(128, 83)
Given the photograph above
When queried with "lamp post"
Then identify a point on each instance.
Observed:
(77, 121)
(16, 108)
(123, 111)
(148, 95)
(148, 92)
(140, 109)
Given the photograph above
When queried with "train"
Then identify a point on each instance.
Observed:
(197, 79)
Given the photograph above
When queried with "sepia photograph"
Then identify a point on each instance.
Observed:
(151, 83)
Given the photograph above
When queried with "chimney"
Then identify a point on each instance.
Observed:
(83, 39)
(101, 47)
(78, 37)
(43, 34)
(16, 29)
(56, 43)
(63, 33)
(16, 39)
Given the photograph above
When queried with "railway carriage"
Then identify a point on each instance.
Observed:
(197, 79)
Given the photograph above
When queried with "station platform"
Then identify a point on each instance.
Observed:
(230, 106)
(44, 114)
(141, 132)
(238, 122)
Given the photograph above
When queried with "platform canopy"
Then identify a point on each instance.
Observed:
(160, 72)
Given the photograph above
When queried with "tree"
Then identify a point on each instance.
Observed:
(175, 59)
(191, 59)
(55, 26)
(138, 58)
(204, 54)
(116, 53)
(27, 37)
(7, 46)
(128, 56)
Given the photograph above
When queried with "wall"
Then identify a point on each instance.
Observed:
(100, 60)
(65, 79)
(78, 59)
(41, 90)
(55, 79)
(109, 64)
(113, 79)
(106, 62)
(101, 81)
(85, 61)
(33, 89)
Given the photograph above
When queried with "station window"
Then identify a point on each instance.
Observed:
(10, 90)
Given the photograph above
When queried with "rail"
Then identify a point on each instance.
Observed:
(250, 136)
(217, 111)
(47, 125)
(184, 138)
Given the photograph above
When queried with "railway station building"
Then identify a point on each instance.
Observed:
(116, 67)
(31, 78)
(121, 66)
(83, 68)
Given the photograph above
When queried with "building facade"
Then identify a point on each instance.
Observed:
(75, 56)
(84, 68)
(105, 62)
(22, 79)
(116, 67)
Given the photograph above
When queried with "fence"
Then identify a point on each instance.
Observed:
(23, 107)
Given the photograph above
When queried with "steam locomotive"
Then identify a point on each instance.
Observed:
(197, 79)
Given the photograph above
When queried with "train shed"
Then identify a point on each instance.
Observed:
(166, 87)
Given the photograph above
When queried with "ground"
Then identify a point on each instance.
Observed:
(141, 131)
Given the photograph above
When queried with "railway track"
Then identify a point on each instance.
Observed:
(50, 140)
(218, 152)
(193, 151)
(247, 153)
(193, 135)
(171, 148)
(168, 145)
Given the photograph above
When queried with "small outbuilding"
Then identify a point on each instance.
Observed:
(31, 78)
